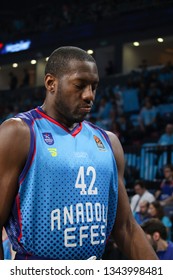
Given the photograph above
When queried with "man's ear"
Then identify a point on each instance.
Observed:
(156, 236)
(49, 82)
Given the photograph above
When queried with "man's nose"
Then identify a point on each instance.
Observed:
(88, 94)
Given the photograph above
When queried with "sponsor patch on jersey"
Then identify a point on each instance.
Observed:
(99, 143)
(48, 139)
(53, 152)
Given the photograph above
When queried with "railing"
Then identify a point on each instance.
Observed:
(148, 160)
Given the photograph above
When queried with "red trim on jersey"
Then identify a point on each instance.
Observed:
(74, 133)
(51, 119)
(77, 130)
(19, 217)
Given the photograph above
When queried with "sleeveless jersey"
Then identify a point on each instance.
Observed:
(7, 249)
(68, 190)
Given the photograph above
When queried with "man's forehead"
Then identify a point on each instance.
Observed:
(83, 70)
(75, 65)
(137, 186)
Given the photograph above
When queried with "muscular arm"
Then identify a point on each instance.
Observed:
(14, 146)
(128, 235)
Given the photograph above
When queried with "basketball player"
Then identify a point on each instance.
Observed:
(61, 178)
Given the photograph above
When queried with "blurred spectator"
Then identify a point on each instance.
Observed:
(126, 128)
(26, 78)
(13, 81)
(166, 75)
(166, 186)
(103, 113)
(105, 108)
(142, 91)
(143, 214)
(141, 194)
(130, 95)
(154, 93)
(109, 69)
(167, 137)
(157, 236)
(118, 100)
(148, 117)
(156, 210)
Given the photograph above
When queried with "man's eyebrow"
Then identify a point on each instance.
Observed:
(86, 80)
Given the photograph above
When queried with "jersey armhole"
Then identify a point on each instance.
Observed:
(31, 152)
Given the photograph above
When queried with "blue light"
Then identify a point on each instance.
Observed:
(16, 47)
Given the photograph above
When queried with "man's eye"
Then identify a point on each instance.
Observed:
(79, 86)
(94, 88)
(82, 86)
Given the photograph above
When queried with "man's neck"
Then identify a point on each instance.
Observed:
(69, 125)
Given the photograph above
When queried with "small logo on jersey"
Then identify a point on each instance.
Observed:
(48, 138)
(99, 143)
(53, 151)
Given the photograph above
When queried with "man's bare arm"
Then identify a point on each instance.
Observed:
(14, 147)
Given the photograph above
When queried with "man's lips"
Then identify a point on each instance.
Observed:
(86, 109)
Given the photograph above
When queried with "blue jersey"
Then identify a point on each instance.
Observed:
(167, 254)
(68, 190)
(7, 249)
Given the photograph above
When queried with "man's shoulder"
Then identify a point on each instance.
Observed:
(16, 126)
(27, 115)
(149, 194)
(135, 197)
(12, 125)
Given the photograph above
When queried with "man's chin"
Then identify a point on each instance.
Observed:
(79, 119)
